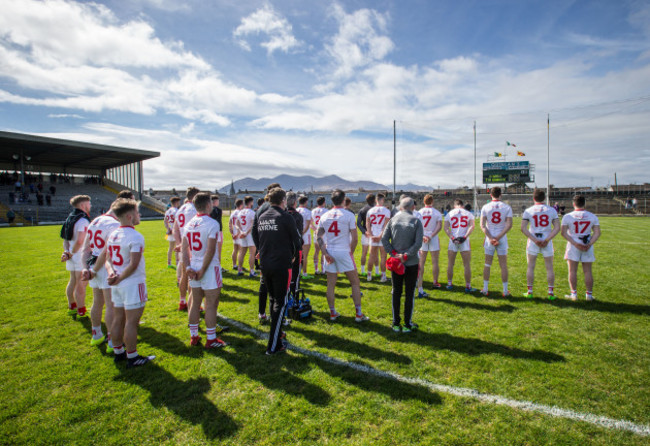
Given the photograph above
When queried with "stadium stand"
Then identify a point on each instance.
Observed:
(39, 175)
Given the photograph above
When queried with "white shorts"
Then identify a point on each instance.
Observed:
(373, 243)
(211, 280)
(170, 238)
(306, 238)
(534, 250)
(236, 241)
(365, 241)
(75, 263)
(459, 248)
(100, 281)
(501, 249)
(573, 253)
(247, 241)
(432, 245)
(343, 262)
(130, 297)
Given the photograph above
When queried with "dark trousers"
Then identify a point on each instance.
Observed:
(277, 282)
(406, 281)
(262, 295)
(295, 275)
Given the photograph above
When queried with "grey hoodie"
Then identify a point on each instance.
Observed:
(403, 234)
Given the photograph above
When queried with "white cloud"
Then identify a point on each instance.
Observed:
(64, 116)
(266, 21)
(360, 40)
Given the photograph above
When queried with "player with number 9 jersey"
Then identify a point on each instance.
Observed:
(198, 232)
(184, 215)
(541, 218)
(121, 243)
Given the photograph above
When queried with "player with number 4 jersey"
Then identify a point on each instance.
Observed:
(496, 221)
(540, 224)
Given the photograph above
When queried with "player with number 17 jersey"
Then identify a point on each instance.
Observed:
(580, 224)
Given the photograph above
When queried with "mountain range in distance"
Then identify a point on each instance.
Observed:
(307, 183)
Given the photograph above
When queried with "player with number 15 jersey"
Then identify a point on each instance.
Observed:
(198, 231)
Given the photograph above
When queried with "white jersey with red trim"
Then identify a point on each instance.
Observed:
(459, 220)
(580, 224)
(377, 218)
(184, 215)
(232, 220)
(306, 217)
(98, 231)
(541, 218)
(317, 213)
(338, 225)
(417, 215)
(121, 243)
(170, 217)
(198, 231)
(246, 217)
(430, 218)
(495, 213)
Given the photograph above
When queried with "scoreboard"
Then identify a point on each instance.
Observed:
(507, 172)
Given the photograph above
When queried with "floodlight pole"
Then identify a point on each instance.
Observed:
(394, 161)
(475, 191)
(548, 159)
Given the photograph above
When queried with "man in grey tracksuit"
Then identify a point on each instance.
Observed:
(402, 238)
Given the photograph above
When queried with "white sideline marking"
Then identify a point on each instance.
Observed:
(529, 406)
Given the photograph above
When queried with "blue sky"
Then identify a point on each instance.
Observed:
(228, 89)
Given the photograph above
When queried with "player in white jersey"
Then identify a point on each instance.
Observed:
(124, 259)
(73, 234)
(431, 220)
(96, 236)
(544, 226)
(336, 228)
(304, 211)
(183, 216)
(376, 220)
(200, 237)
(581, 229)
(459, 225)
(316, 214)
(496, 221)
(170, 218)
(244, 223)
(234, 232)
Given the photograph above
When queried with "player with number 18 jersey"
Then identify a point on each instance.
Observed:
(540, 218)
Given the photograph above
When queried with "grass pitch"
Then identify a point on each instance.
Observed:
(587, 357)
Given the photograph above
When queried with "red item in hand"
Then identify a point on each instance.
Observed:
(395, 265)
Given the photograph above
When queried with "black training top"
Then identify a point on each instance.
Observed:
(277, 238)
(217, 213)
(299, 221)
(361, 218)
(67, 230)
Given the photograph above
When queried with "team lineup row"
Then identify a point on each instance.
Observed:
(109, 252)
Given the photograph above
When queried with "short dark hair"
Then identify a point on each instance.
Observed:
(579, 201)
(238, 202)
(380, 196)
(337, 197)
(539, 195)
(303, 199)
(214, 197)
(201, 201)
(370, 199)
(173, 200)
(496, 192)
(191, 192)
(126, 194)
(272, 186)
(276, 195)
(320, 200)
(260, 201)
(248, 199)
(123, 206)
(78, 199)
(348, 201)
(458, 202)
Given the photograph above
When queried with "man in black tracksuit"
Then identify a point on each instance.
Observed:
(263, 293)
(277, 237)
(297, 261)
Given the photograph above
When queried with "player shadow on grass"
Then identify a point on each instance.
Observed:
(185, 398)
(474, 305)
(334, 343)
(279, 372)
(167, 342)
(467, 346)
(582, 304)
